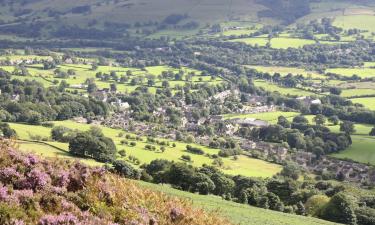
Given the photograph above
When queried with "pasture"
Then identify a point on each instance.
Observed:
(356, 21)
(237, 213)
(352, 93)
(361, 72)
(362, 150)
(282, 90)
(242, 166)
(288, 70)
(84, 72)
(286, 42)
(367, 102)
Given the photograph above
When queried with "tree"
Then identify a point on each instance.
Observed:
(300, 119)
(334, 120)
(372, 132)
(6, 131)
(59, 133)
(282, 121)
(93, 144)
(165, 84)
(113, 87)
(91, 87)
(315, 205)
(291, 170)
(340, 209)
(124, 169)
(335, 91)
(347, 127)
(202, 183)
(320, 119)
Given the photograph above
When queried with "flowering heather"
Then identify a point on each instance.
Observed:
(61, 192)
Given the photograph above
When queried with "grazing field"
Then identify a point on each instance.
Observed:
(267, 116)
(282, 90)
(134, 77)
(288, 70)
(350, 93)
(361, 72)
(284, 43)
(237, 213)
(362, 150)
(357, 85)
(280, 42)
(367, 102)
(242, 166)
(356, 21)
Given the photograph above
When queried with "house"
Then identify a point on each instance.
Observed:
(250, 122)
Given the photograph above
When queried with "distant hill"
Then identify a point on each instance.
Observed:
(111, 19)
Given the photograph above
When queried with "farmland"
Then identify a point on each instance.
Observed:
(279, 43)
(362, 150)
(135, 77)
(367, 102)
(288, 70)
(361, 72)
(242, 166)
(282, 90)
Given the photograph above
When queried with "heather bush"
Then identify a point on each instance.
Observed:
(62, 192)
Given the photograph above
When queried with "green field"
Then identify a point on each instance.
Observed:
(367, 102)
(356, 21)
(288, 70)
(361, 72)
(282, 90)
(238, 213)
(348, 93)
(283, 42)
(84, 72)
(362, 150)
(242, 166)
(280, 42)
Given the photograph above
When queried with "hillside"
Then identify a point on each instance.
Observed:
(37, 191)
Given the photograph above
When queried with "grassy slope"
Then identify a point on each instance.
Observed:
(238, 213)
(243, 166)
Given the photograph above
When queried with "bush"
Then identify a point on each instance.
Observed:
(194, 150)
(186, 158)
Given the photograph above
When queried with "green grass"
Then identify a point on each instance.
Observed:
(362, 150)
(280, 42)
(84, 72)
(235, 212)
(283, 42)
(242, 166)
(347, 93)
(361, 72)
(288, 70)
(367, 102)
(363, 22)
(282, 90)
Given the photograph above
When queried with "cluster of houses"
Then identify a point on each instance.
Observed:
(349, 171)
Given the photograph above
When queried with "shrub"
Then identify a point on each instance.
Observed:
(194, 150)
(186, 158)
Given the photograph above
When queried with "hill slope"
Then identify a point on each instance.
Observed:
(36, 191)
